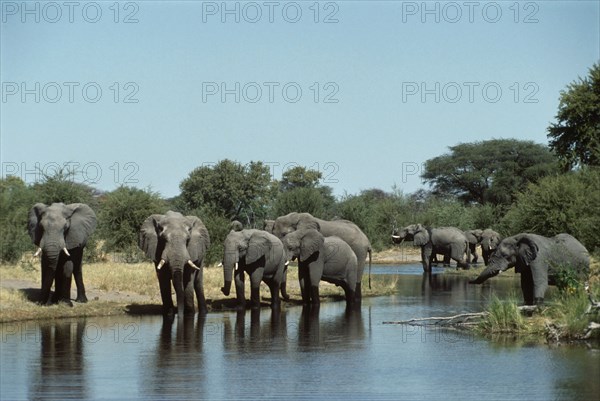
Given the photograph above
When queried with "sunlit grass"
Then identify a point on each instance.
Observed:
(117, 286)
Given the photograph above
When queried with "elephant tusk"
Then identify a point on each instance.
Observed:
(37, 253)
(66, 252)
(189, 262)
(160, 264)
(236, 265)
(396, 237)
(287, 262)
(220, 264)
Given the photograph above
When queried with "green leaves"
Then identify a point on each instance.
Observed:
(575, 137)
(492, 171)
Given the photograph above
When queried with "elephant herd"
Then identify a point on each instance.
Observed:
(333, 251)
(538, 259)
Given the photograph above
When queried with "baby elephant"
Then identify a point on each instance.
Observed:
(322, 258)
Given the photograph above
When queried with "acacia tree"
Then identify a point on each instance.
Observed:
(492, 171)
(300, 191)
(228, 188)
(575, 137)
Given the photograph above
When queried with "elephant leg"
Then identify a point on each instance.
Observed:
(314, 295)
(539, 274)
(64, 290)
(486, 256)
(457, 252)
(164, 281)
(474, 255)
(284, 295)
(527, 285)
(358, 293)
(47, 280)
(274, 288)
(446, 262)
(426, 253)
(199, 289)
(304, 279)
(349, 293)
(239, 289)
(77, 257)
(255, 279)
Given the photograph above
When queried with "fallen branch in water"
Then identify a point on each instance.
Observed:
(464, 319)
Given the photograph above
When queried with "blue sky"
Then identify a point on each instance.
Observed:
(364, 91)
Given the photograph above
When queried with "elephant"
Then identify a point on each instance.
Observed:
(322, 258)
(262, 256)
(474, 238)
(177, 245)
(344, 229)
(489, 242)
(268, 226)
(442, 240)
(538, 259)
(61, 232)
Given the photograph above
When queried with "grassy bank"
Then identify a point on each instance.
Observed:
(119, 288)
(564, 317)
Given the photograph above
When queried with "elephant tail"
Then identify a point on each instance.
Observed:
(370, 259)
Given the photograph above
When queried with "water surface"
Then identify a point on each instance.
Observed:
(296, 354)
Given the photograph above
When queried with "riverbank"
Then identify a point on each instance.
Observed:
(120, 288)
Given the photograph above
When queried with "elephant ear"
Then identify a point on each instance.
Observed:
(421, 237)
(33, 224)
(148, 240)
(307, 222)
(259, 245)
(312, 241)
(199, 239)
(526, 251)
(82, 223)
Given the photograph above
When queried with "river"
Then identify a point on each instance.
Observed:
(297, 354)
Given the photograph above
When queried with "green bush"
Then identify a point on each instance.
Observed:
(121, 215)
(568, 203)
(15, 201)
(503, 317)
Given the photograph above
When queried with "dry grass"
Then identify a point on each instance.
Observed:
(118, 288)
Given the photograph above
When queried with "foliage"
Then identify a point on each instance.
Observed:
(490, 171)
(237, 191)
(376, 212)
(568, 203)
(121, 215)
(61, 187)
(575, 137)
(299, 177)
(316, 201)
(15, 201)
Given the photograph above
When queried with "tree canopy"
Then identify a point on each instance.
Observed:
(575, 137)
(236, 190)
(492, 171)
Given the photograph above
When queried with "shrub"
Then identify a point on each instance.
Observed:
(568, 203)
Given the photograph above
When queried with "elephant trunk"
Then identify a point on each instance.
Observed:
(496, 266)
(229, 263)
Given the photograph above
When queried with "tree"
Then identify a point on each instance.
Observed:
(575, 137)
(568, 203)
(16, 199)
(299, 177)
(492, 171)
(122, 213)
(61, 187)
(316, 201)
(229, 188)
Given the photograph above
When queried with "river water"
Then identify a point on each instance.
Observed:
(297, 354)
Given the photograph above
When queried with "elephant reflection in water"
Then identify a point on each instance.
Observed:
(259, 335)
(176, 349)
(61, 355)
(312, 333)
